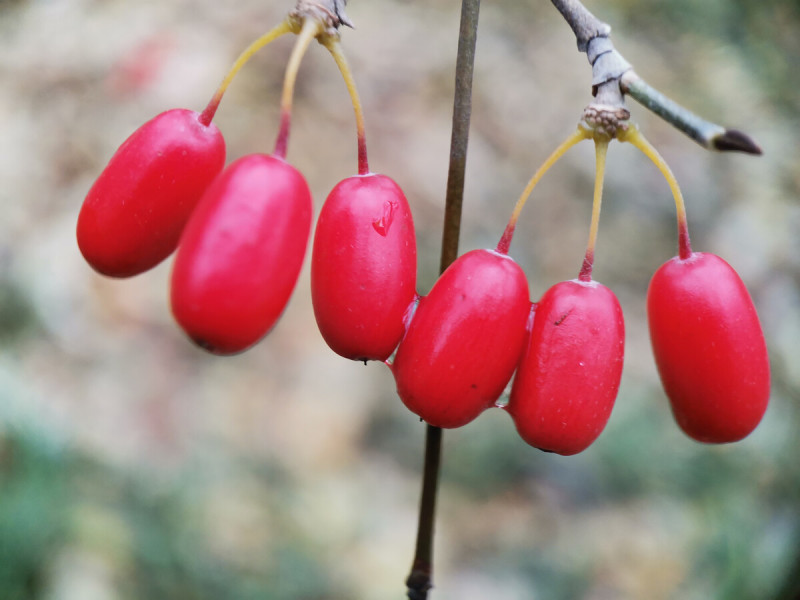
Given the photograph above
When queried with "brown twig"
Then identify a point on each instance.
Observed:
(613, 77)
(419, 580)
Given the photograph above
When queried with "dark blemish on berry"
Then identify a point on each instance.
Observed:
(474, 386)
(563, 318)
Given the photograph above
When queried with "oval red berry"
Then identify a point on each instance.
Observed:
(241, 253)
(464, 339)
(569, 375)
(364, 267)
(134, 213)
(709, 348)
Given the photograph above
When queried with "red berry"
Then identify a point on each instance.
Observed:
(464, 340)
(241, 253)
(364, 267)
(568, 378)
(709, 348)
(134, 213)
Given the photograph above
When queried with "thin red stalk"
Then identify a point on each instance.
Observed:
(310, 29)
(505, 240)
(684, 243)
(208, 114)
(282, 141)
(587, 266)
(334, 47)
(634, 136)
(600, 149)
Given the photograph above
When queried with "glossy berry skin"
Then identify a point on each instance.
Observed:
(364, 267)
(709, 348)
(134, 213)
(568, 377)
(241, 253)
(464, 339)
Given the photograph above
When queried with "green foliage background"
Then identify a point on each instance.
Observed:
(133, 466)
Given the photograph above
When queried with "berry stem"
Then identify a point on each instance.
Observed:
(335, 48)
(632, 135)
(508, 234)
(600, 150)
(311, 28)
(210, 110)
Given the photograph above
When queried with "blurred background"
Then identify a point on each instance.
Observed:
(133, 465)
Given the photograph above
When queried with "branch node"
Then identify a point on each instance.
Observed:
(607, 63)
(613, 77)
(597, 46)
(605, 119)
(328, 12)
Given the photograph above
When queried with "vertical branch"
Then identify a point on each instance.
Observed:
(462, 110)
(420, 578)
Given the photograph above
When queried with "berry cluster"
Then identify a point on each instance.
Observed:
(241, 233)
